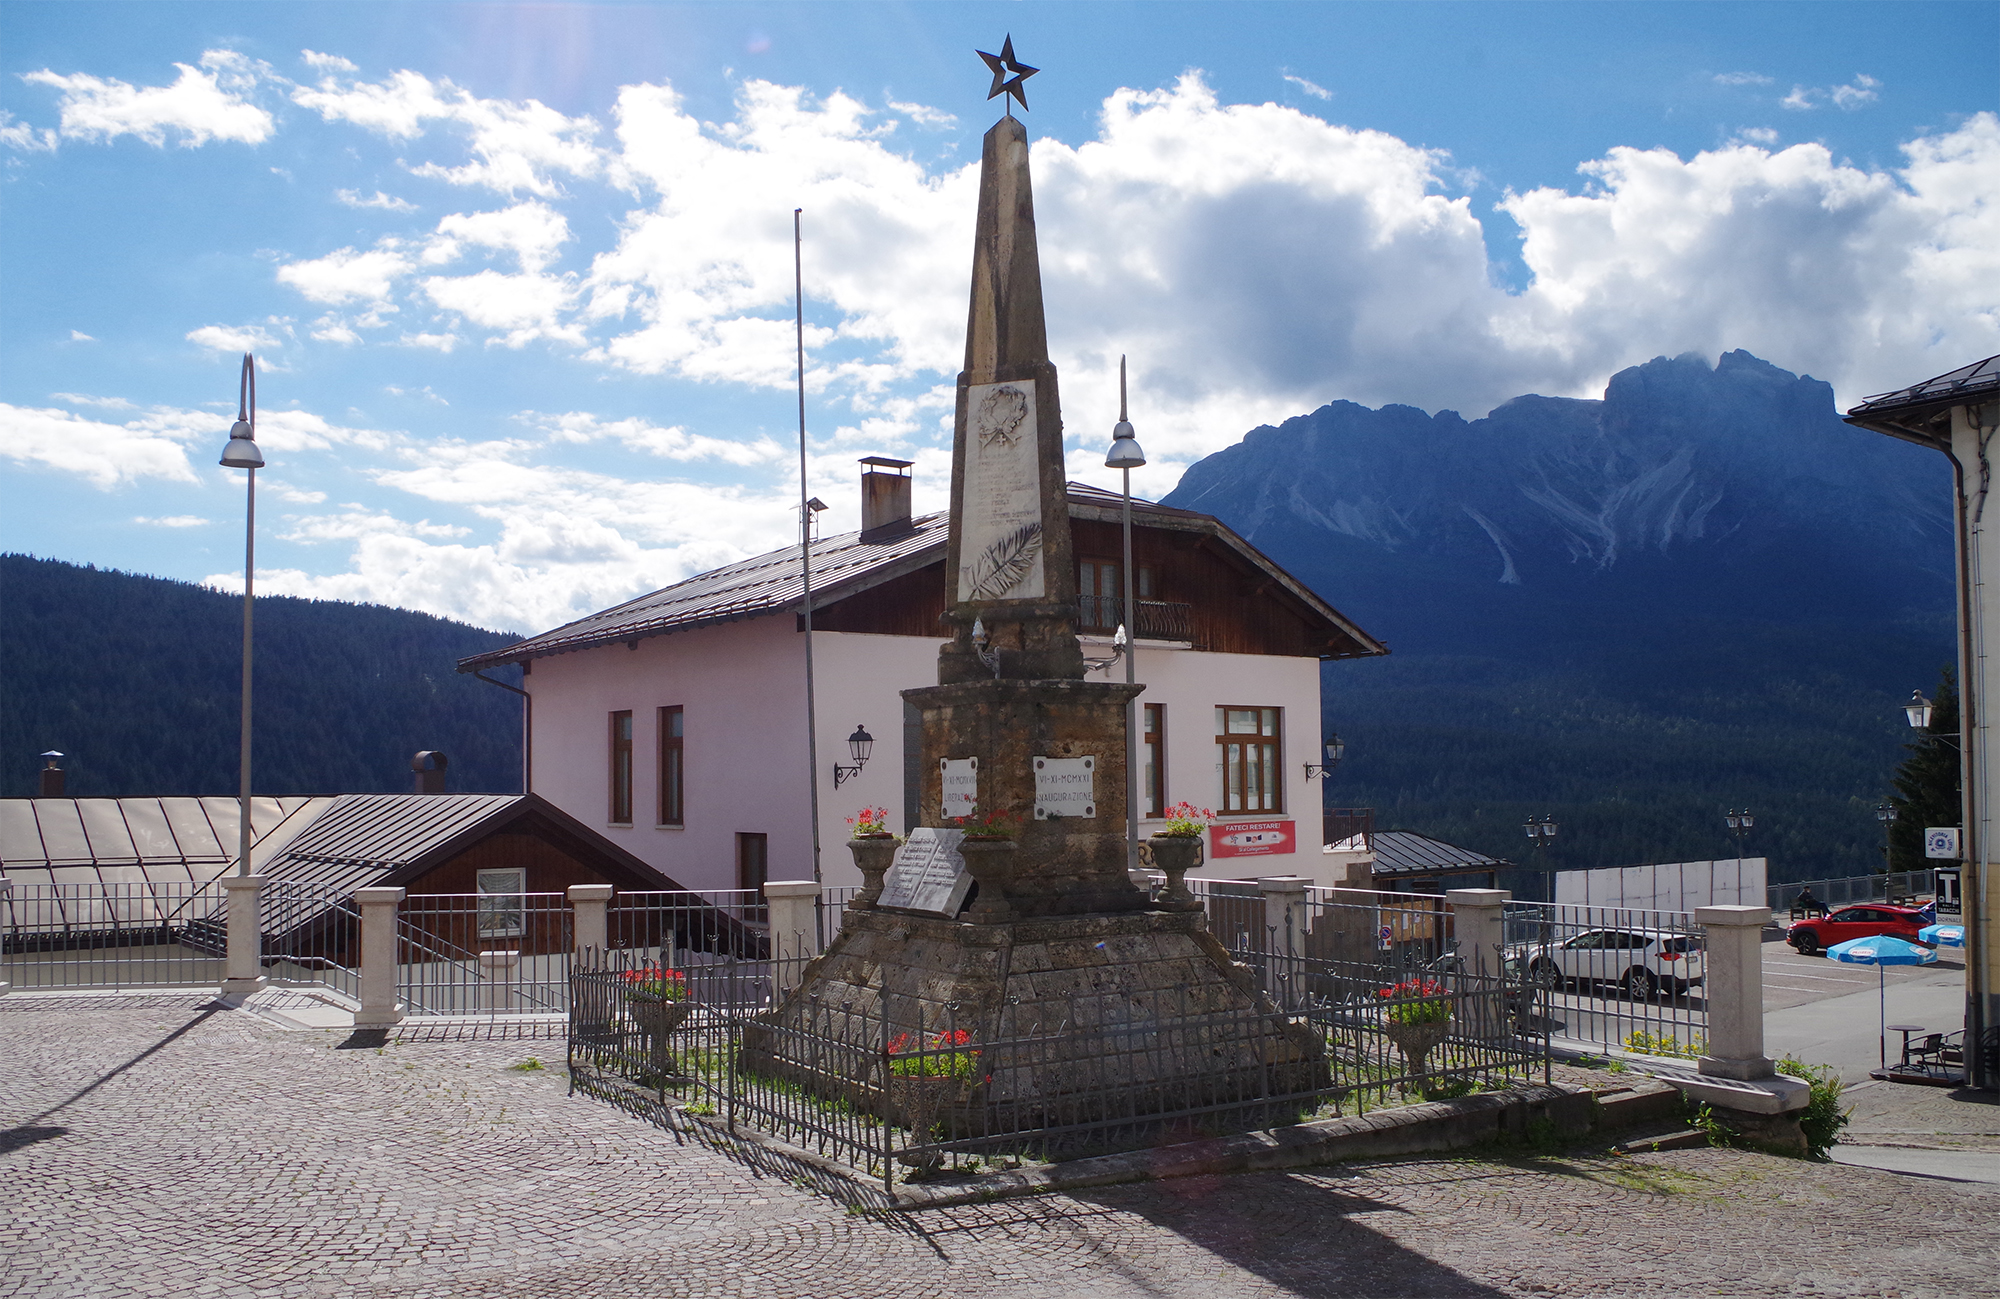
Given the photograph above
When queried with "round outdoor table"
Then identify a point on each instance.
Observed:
(1905, 1030)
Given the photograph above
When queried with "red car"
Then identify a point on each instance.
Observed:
(1810, 937)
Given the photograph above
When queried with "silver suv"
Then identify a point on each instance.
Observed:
(1642, 962)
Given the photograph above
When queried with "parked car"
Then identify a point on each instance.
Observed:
(1809, 937)
(1642, 962)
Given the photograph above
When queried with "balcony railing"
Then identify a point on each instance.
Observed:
(1157, 620)
(1343, 823)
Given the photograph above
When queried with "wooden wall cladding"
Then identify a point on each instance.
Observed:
(910, 605)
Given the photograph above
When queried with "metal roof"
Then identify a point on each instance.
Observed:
(88, 840)
(1918, 413)
(845, 565)
(1405, 852)
(340, 841)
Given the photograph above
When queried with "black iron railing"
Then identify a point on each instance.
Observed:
(1157, 620)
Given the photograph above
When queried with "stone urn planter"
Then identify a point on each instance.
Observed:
(1417, 1041)
(873, 855)
(918, 1099)
(991, 862)
(1175, 855)
(657, 1018)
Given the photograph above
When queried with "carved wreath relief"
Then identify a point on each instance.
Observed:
(1000, 532)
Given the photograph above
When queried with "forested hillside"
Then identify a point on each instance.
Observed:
(137, 678)
(1703, 591)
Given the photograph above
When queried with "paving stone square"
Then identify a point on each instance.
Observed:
(162, 1144)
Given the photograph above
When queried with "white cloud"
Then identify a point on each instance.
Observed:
(344, 275)
(667, 443)
(19, 135)
(83, 399)
(1861, 90)
(534, 232)
(104, 455)
(1310, 88)
(203, 104)
(326, 62)
(423, 392)
(387, 202)
(1741, 79)
(172, 521)
(233, 338)
(924, 115)
(434, 342)
(78, 336)
(515, 145)
(1758, 135)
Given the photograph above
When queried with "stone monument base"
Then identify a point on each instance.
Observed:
(1076, 1020)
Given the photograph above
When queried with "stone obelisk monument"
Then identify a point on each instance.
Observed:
(1056, 938)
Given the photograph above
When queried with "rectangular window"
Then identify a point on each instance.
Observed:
(1153, 776)
(753, 869)
(621, 768)
(1250, 753)
(1097, 585)
(500, 902)
(673, 769)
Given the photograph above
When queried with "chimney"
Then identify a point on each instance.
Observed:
(885, 498)
(52, 775)
(429, 766)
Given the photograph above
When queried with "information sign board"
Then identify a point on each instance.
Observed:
(1252, 838)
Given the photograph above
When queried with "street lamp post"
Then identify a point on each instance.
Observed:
(1739, 822)
(1886, 814)
(1125, 456)
(242, 453)
(1540, 831)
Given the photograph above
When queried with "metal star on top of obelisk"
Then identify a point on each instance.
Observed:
(1000, 65)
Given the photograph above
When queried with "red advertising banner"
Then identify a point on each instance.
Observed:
(1252, 838)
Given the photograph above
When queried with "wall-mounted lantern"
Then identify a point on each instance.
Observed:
(1335, 750)
(860, 745)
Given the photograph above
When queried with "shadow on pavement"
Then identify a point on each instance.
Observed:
(1292, 1230)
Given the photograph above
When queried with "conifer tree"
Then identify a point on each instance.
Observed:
(1927, 784)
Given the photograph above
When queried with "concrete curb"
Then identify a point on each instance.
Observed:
(1406, 1130)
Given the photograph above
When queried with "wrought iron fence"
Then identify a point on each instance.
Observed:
(483, 953)
(663, 926)
(142, 934)
(311, 936)
(897, 1085)
(1615, 976)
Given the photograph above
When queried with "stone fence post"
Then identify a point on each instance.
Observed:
(794, 927)
(379, 1007)
(590, 925)
(1479, 925)
(1479, 928)
(1285, 924)
(243, 967)
(1733, 986)
(498, 973)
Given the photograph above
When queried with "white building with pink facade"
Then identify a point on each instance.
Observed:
(676, 722)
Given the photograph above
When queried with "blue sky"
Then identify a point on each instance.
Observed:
(520, 276)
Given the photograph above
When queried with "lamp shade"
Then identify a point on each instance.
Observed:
(1918, 710)
(242, 451)
(1125, 452)
(861, 744)
(1336, 749)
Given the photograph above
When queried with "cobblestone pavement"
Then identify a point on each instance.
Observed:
(157, 1145)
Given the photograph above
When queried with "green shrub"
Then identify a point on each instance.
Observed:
(1822, 1118)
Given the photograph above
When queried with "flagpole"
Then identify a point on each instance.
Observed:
(805, 536)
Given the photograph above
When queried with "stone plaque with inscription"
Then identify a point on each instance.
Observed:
(928, 873)
(1000, 524)
(1065, 787)
(961, 785)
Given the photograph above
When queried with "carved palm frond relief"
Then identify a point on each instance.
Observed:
(1006, 563)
